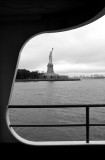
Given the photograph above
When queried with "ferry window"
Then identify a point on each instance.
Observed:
(59, 74)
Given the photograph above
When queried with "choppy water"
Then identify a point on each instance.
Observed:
(58, 92)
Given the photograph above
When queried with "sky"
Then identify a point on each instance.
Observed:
(76, 52)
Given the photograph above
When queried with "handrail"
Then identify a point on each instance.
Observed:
(87, 124)
(57, 106)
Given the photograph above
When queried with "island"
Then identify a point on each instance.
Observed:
(50, 75)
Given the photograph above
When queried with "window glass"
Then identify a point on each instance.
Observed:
(60, 69)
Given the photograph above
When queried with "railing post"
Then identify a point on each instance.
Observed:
(87, 124)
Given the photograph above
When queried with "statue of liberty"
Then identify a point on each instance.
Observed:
(50, 65)
(50, 56)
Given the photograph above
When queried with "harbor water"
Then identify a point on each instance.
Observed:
(86, 91)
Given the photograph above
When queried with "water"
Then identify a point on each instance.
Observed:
(90, 91)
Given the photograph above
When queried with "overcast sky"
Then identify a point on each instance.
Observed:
(76, 51)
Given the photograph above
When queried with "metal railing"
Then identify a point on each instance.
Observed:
(87, 124)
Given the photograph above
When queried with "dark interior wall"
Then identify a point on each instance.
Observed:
(13, 37)
(16, 27)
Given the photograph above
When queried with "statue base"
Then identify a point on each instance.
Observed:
(50, 68)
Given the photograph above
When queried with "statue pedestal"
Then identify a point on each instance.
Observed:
(50, 76)
(50, 68)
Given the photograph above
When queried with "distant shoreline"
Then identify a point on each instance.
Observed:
(36, 80)
(71, 79)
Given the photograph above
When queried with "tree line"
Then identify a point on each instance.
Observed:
(26, 74)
